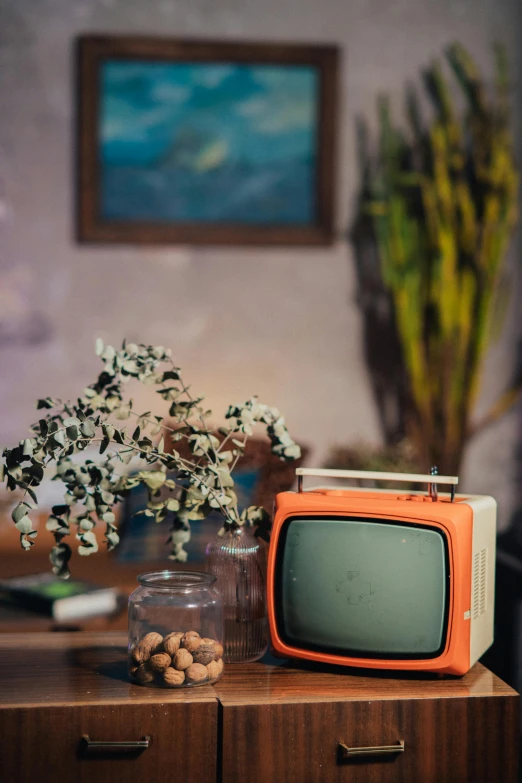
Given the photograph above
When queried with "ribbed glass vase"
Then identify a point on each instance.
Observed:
(237, 559)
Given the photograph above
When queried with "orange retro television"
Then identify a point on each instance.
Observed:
(382, 579)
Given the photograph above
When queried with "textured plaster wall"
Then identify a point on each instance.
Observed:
(281, 323)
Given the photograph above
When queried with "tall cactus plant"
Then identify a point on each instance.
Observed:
(443, 203)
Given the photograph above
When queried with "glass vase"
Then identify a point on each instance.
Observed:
(175, 630)
(238, 561)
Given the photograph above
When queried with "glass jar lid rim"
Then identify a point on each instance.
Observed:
(168, 579)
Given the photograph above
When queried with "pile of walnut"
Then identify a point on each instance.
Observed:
(176, 659)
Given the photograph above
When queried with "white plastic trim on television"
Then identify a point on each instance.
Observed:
(482, 596)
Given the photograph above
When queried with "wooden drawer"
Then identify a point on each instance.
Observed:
(44, 744)
(464, 740)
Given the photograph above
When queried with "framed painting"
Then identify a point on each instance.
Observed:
(202, 142)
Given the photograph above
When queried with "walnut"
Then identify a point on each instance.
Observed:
(147, 647)
(196, 672)
(132, 668)
(191, 641)
(173, 676)
(159, 662)
(172, 642)
(140, 654)
(213, 670)
(144, 674)
(152, 640)
(217, 646)
(182, 659)
(204, 654)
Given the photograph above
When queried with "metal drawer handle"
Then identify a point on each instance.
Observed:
(124, 746)
(377, 750)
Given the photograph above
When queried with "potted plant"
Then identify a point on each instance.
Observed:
(438, 205)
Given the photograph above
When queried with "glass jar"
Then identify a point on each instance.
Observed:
(238, 561)
(175, 630)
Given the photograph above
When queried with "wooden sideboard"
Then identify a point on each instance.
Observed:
(258, 724)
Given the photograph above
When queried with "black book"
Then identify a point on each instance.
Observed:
(63, 600)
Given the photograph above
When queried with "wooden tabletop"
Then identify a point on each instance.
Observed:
(257, 683)
(44, 669)
(55, 669)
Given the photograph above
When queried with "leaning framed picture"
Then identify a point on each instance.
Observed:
(205, 143)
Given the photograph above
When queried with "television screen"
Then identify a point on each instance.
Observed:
(363, 586)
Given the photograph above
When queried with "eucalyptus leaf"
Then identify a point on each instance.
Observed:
(113, 539)
(45, 403)
(60, 556)
(123, 412)
(87, 550)
(225, 477)
(28, 447)
(19, 512)
(89, 503)
(256, 514)
(108, 430)
(87, 538)
(31, 494)
(88, 428)
(155, 505)
(24, 525)
(170, 375)
(59, 437)
(154, 479)
(161, 514)
(130, 367)
(53, 523)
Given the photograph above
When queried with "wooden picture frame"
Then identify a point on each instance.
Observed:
(103, 193)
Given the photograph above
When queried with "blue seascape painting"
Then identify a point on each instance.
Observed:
(208, 142)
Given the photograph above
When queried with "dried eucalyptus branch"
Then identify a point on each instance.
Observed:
(179, 488)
